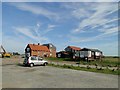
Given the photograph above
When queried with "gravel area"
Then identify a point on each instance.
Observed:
(16, 76)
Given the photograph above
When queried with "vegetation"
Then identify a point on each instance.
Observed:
(98, 70)
(111, 62)
(106, 61)
(59, 59)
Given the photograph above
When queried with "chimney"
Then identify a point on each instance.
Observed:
(38, 43)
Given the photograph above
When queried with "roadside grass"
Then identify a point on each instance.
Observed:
(59, 59)
(97, 70)
(55, 59)
(106, 61)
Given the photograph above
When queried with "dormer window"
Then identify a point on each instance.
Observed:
(50, 45)
(28, 49)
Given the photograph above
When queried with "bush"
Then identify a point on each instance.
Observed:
(88, 67)
(100, 68)
(113, 69)
(109, 65)
(115, 57)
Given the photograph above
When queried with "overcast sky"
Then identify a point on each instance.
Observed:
(81, 24)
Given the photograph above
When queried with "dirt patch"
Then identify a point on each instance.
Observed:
(6, 61)
(30, 70)
(45, 75)
(7, 64)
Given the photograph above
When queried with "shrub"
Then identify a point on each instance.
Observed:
(64, 65)
(96, 65)
(113, 69)
(100, 68)
(69, 67)
(52, 64)
(109, 66)
(88, 67)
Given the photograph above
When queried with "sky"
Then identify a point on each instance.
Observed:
(81, 24)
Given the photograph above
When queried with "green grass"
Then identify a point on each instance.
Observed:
(106, 61)
(59, 59)
(112, 62)
(55, 59)
(105, 71)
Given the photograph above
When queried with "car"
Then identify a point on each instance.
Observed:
(34, 60)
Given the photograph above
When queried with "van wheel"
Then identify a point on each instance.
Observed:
(45, 64)
(31, 65)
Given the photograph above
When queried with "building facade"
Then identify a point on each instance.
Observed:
(90, 54)
(62, 54)
(73, 51)
(52, 49)
(38, 50)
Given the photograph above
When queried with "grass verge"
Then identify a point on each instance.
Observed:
(106, 61)
(105, 71)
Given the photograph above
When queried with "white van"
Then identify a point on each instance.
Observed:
(33, 60)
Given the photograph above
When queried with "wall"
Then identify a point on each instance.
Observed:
(52, 49)
(85, 54)
(40, 53)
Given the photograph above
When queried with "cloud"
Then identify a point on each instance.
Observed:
(37, 28)
(31, 33)
(37, 32)
(25, 31)
(98, 16)
(50, 28)
(22, 35)
(38, 24)
(108, 48)
(107, 22)
(105, 33)
(113, 51)
(83, 13)
(14, 44)
(37, 10)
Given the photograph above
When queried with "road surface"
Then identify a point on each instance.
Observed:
(16, 76)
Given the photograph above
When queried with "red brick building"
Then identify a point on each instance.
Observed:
(40, 50)
(52, 49)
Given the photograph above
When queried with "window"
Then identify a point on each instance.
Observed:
(28, 49)
(50, 54)
(92, 53)
(50, 45)
(67, 49)
(39, 58)
(33, 58)
(59, 55)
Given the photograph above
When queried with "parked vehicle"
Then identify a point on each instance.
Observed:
(6, 55)
(33, 60)
(3, 52)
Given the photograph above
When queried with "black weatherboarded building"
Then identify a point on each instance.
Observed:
(90, 54)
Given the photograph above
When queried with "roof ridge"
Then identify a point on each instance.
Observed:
(38, 47)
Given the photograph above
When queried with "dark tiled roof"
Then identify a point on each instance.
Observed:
(95, 50)
(63, 52)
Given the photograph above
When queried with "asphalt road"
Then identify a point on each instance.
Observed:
(16, 76)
